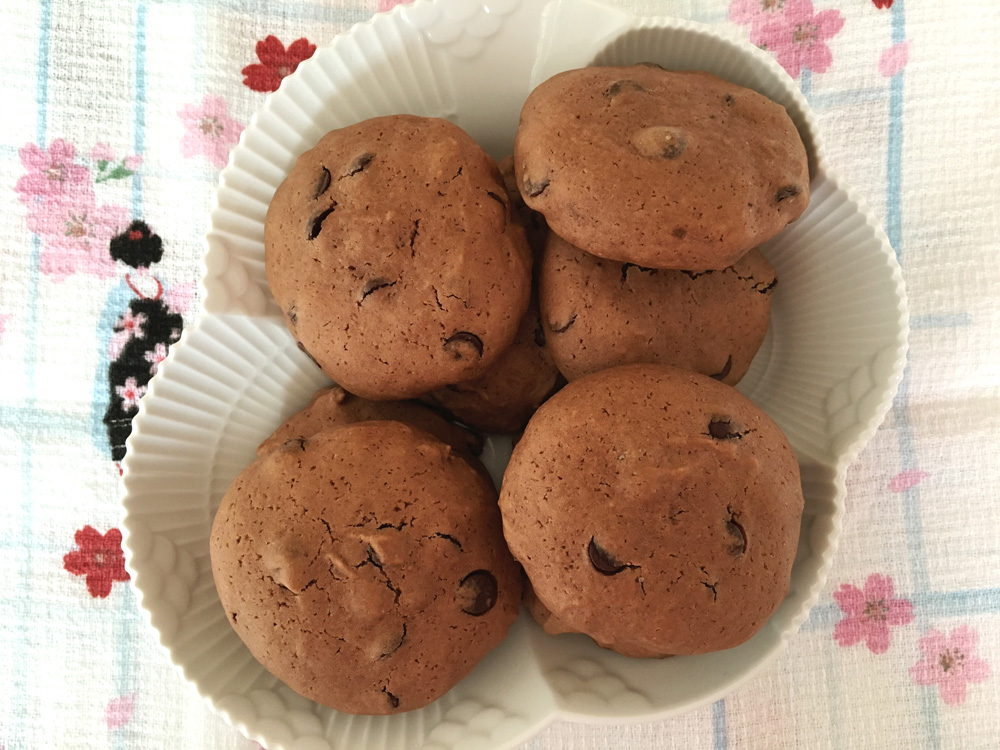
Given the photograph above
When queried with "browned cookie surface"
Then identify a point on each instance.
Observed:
(655, 510)
(599, 313)
(504, 399)
(334, 407)
(365, 566)
(660, 168)
(533, 222)
(391, 251)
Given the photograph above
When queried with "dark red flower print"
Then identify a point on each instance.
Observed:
(882, 3)
(100, 558)
(275, 62)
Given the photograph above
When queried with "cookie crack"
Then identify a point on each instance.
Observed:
(464, 303)
(706, 584)
(413, 237)
(442, 535)
(374, 560)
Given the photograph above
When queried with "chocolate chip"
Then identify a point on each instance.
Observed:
(534, 189)
(618, 86)
(359, 164)
(788, 191)
(317, 223)
(323, 183)
(478, 592)
(564, 327)
(373, 285)
(393, 700)
(724, 429)
(293, 315)
(679, 232)
(729, 99)
(539, 334)
(651, 65)
(724, 372)
(659, 141)
(739, 535)
(233, 615)
(460, 342)
(602, 560)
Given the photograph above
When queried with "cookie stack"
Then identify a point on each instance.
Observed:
(612, 262)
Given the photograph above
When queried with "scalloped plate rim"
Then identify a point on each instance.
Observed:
(844, 457)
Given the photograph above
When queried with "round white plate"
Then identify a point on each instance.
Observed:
(826, 374)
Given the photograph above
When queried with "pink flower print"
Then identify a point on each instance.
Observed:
(869, 614)
(798, 37)
(51, 174)
(76, 239)
(950, 663)
(101, 152)
(118, 712)
(132, 162)
(132, 324)
(755, 12)
(384, 5)
(130, 393)
(127, 327)
(156, 356)
(209, 130)
(894, 59)
(905, 480)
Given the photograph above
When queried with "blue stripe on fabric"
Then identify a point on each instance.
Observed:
(933, 604)
(912, 517)
(719, 739)
(894, 219)
(22, 646)
(139, 127)
(126, 611)
(954, 320)
(806, 85)
(118, 299)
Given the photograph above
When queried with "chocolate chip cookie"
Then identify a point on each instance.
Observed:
(654, 509)
(334, 407)
(365, 566)
(391, 251)
(504, 399)
(659, 168)
(533, 222)
(598, 313)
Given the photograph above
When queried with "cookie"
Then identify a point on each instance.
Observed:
(365, 566)
(533, 222)
(504, 399)
(391, 251)
(654, 509)
(659, 168)
(334, 407)
(599, 313)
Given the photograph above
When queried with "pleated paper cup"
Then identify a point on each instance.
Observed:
(826, 373)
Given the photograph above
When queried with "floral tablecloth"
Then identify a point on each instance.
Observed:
(116, 119)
